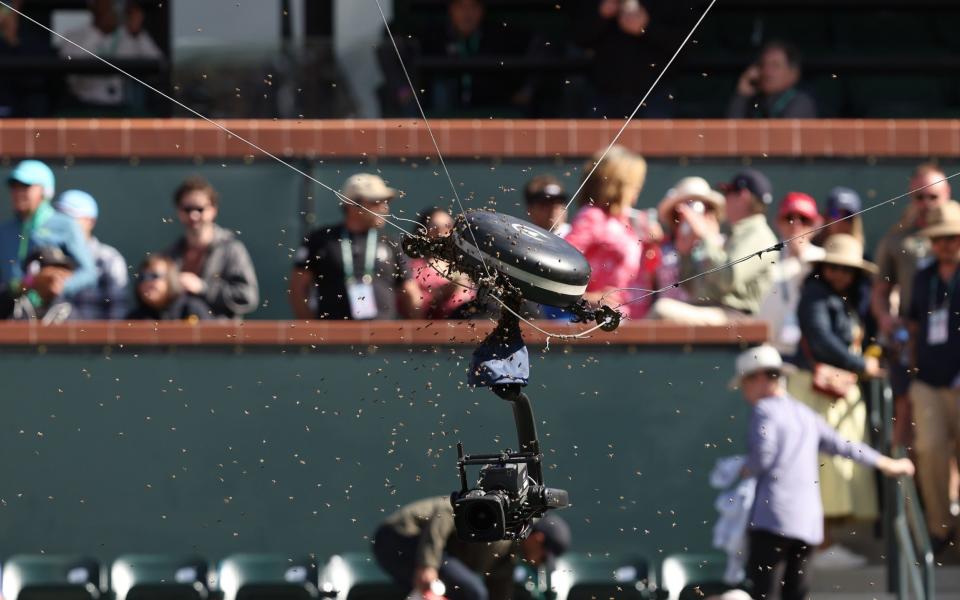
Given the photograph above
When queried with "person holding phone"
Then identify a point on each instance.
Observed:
(768, 88)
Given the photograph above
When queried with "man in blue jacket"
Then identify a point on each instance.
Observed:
(35, 224)
(784, 439)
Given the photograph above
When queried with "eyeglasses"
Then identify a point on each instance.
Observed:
(921, 197)
(193, 209)
(797, 218)
(151, 276)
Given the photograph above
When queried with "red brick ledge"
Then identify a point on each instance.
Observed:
(194, 139)
(323, 333)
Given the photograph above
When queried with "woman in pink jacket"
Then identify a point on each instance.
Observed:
(603, 232)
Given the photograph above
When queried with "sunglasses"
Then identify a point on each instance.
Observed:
(841, 268)
(924, 197)
(151, 276)
(193, 209)
(945, 238)
(797, 218)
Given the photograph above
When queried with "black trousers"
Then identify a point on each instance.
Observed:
(777, 562)
(396, 555)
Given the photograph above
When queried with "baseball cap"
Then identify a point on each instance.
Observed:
(798, 203)
(50, 256)
(367, 186)
(556, 536)
(34, 172)
(544, 189)
(77, 204)
(760, 358)
(842, 200)
(753, 180)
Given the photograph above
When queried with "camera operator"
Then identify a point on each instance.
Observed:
(418, 545)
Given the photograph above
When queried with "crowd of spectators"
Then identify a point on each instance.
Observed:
(825, 302)
(115, 31)
(612, 37)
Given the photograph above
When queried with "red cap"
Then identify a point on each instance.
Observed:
(798, 203)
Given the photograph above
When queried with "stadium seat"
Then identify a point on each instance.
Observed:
(158, 577)
(41, 577)
(267, 577)
(693, 576)
(889, 96)
(356, 576)
(585, 577)
(884, 32)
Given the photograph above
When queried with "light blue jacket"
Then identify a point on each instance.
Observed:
(48, 228)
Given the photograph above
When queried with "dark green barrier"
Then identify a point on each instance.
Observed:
(219, 451)
(263, 200)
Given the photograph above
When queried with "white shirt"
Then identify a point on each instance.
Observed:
(105, 90)
(779, 306)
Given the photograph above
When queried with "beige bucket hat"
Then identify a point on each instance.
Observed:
(845, 250)
(366, 186)
(943, 220)
(690, 188)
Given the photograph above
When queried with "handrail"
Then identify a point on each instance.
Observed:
(910, 559)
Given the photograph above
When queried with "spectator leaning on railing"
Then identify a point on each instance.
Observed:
(214, 264)
(768, 89)
(934, 322)
(735, 292)
(830, 363)
(350, 270)
(107, 299)
(36, 224)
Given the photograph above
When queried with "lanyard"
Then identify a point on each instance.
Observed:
(951, 286)
(368, 257)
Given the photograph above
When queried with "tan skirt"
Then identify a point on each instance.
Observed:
(848, 489)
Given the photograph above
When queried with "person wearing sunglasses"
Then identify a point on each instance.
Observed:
(797, 218)
(830, 366)
(161, 297)
(214, 264)
(933, 319)
(900, 254)
(728, 294)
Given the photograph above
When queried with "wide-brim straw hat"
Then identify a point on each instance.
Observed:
(759, 358)
(687, 189)
(845, 250)
(943, 220)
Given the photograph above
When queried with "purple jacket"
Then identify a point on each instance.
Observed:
(784, 442)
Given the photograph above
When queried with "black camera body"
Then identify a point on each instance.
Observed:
(509, 493)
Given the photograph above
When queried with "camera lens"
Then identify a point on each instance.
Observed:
(482, 516)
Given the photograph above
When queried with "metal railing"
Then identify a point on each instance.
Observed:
(910, 560)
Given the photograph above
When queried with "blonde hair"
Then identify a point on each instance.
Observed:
(619, 171)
